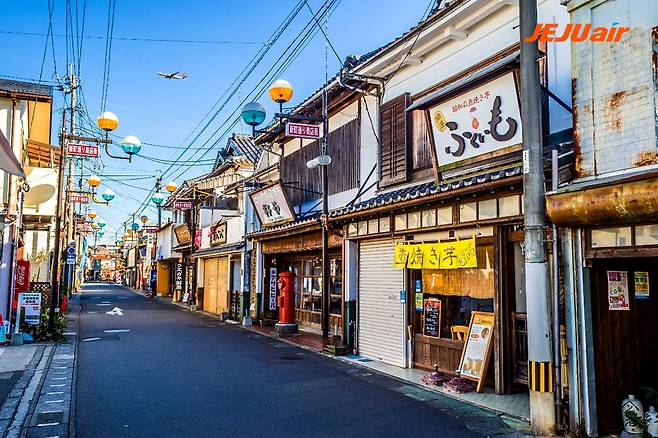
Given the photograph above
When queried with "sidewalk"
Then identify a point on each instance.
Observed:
(39, 401)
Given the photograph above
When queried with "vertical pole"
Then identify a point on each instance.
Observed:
(557, 350)
(542, 409)
(326, 280)
(190, 264)
(54, 290)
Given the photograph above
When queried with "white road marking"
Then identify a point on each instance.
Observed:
(47, 424)
(55, 393)
(117, 331)
(70, 333)
(61, 368)
(54, 401)
(59, 378)
(57, 386)
(116, 311)
(94, 311)
(104, 304)
(91, 339)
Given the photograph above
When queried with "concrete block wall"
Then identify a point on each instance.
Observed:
(614, 88)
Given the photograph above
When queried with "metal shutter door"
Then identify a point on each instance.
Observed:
(381, 316)
(210, 286)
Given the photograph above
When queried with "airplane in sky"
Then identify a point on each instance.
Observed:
(177, 75)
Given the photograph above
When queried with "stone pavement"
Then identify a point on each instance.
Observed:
(39, 404)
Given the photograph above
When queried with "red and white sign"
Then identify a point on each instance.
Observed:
(84, 150)
(22, 277)
(183, 205)
(302, 130)
(80, 199)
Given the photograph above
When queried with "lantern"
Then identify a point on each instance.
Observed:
(131, 145)
(135, 226)
(157, 198)
(253, 113)
(94, 181)
(91, 214)
(100, 233)
(144, 219)
(108, 195)
(101, 224)
(94, 225)
(107, 121)
(171, 187)
(281, 91)
(118, 242)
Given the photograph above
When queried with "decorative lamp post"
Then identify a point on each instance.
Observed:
(131, 145)
(94, 225)
(101, 233)
(107, 121)
(135, 226)
(101, 224)
(253, 115)
(157, 199)
(281, 92)
(171, 187)
(91, 214)
(94, 181)
(118, 242)
(144, 219)
(108, 195)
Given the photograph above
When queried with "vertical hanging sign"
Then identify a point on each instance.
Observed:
(273, 275)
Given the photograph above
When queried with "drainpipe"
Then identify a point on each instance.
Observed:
(557, 369)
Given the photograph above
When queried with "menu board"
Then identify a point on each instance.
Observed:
(432, 313)
(477, 348)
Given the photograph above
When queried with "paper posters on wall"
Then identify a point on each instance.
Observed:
(618, 290)
(641, 284)
(273, 286)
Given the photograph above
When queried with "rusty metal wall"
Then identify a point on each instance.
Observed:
(614, 88)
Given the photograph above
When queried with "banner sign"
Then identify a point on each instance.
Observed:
(302, 130)
(273, 285)
(182, 205)
(480, 121)
(83, 150)
(477, 348)
(618, 290)
(218, 234)
(80, 199)
(448, 255)
(22, 276)
(183, 235)
(271, 205)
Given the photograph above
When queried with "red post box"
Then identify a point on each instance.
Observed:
(286, 302)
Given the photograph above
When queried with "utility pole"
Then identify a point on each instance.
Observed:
(68, 279)
(54, 280)
(542, 408)
(326, 280)
(158, 180)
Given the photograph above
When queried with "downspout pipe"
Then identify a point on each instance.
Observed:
(557, 369)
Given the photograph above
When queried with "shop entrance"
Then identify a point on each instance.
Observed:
(624, 303)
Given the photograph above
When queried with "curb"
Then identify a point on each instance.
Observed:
(77, 309)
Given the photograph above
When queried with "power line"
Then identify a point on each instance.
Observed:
(136, 39)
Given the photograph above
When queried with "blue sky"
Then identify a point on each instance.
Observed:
(165, 112)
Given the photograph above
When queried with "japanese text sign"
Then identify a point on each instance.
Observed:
(272, 206)
(302, 130)
(183, 205)
(218, 234)
(30, 302)
(448, 255)
(480, 121)
(80, 199)
(83, 150)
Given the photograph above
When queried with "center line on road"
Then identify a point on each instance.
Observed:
(54, 401)
(47, 424)
(57, 386)
(55, 393)
(59, 378)
(116, 331)
(90, 339)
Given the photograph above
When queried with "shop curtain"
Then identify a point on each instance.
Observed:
(470, 282)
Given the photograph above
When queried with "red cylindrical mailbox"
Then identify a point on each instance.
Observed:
(286, 285)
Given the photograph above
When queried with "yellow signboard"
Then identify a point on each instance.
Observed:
(448, 255)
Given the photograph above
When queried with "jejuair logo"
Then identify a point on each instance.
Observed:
(577, 32)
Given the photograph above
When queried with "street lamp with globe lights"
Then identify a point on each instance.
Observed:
(253, 114)
(108, 195)
(157, 199)
(131, 145)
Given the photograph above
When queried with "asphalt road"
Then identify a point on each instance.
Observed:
(180, 374)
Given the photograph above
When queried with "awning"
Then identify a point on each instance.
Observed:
(217, 250)
(501, 63)
(8, 161)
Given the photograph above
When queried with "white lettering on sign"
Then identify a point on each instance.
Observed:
(84, 150)
(302, 130)
(273, 279)
(183, 205)
(480, 121)
(80, 199)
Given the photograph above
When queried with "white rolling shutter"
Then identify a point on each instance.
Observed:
(381, 315)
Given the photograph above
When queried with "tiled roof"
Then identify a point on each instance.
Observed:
(424, 189)
(14, 86)
(239, 148)
(310, 220)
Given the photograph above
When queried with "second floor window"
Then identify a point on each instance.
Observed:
(393, 134)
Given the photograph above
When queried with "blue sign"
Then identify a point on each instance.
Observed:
(403, 296)
(70, 255)
(418, 286)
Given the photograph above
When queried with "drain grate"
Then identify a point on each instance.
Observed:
(50, 417)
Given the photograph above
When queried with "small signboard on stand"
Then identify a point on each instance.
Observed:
(477, 348)
(30, 303)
